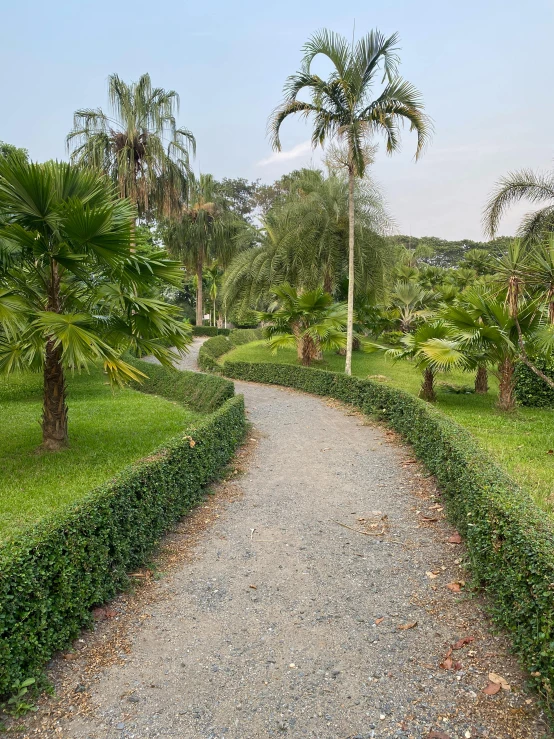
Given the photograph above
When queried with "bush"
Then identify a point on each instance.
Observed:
(509, 540)
(214, 348)
(530, 389)
(245, 319)
(55, 573)
(210, 331)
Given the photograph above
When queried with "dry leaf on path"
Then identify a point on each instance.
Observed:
(499, 680)
(455, 538)
(491, 689)
(404, 627)
(456, 586)
(379, 620)
(432, 575)
(462, 642)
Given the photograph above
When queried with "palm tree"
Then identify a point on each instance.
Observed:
(202, 232)
(71, 291)
(432, 347)
(487, 331)
(521, 185)
(343, 108)
(304, 241)
(409, 304)
(139, 145)
(309, 321)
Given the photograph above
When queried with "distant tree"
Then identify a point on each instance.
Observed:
(238, 195)
(9, 149)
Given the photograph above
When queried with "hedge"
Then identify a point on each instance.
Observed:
(530, 389)
(210, 331)
(510, 540)
(201, 393)
(52, 575)
(213, 349)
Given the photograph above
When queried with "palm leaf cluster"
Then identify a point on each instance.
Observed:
(139, 144)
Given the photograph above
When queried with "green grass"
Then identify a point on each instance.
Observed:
(107, 430)
(519, 441)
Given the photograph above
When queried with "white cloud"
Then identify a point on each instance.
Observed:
(296, 152)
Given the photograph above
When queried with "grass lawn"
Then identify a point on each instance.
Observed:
(107, 430)
(519, 441)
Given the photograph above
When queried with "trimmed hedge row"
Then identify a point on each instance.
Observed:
(530, 389)
(210, 331)
(214, 348)
(509, 539)
(201, 393)
(53, 575)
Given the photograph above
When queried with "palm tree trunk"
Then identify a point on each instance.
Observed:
(54, 407)
(481, 380)
(199, 295)
(427, 391)
(350, 316)
(506, 397)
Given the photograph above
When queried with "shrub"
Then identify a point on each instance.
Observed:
(509, 540)
(530, 389)
(245, 319)
(214, 348)
(201, 393)
(210, 331)
(53, 574)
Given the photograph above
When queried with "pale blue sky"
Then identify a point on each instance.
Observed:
(484, 68)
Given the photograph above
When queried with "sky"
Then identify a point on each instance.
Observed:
(484, 68)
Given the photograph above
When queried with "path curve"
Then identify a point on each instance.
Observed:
(287, 623)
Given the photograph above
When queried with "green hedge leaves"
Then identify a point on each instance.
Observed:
(51, 576)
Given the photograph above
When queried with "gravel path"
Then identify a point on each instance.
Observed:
(288, 621)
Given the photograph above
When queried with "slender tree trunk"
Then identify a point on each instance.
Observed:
(199, 295)
(54, 407)
(350, 317)
(481, 380)
(506, 397)
(427, 391)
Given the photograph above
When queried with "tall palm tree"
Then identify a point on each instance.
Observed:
(343, 107)
(521, 185)
(139, 145)
(202, 232)
(71, 291)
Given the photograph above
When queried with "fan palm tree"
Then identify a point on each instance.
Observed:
(71, 289)
(343, 107)
(139, 145)
(521, 185)
(432, 347)
(309, 321)
(409, 304)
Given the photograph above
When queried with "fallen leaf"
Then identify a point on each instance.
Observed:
(379, 620)
(550, 451)
(455, 538)
(498, 680)
(429, 519)
(404, 627)
(437, 735)
(491, 689)
(456, 586)
(254, 587)
(449, 664)
(432, 575)
(462, 642)
(110, 613)
(437, 507)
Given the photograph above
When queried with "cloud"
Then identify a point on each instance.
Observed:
(296, 152)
